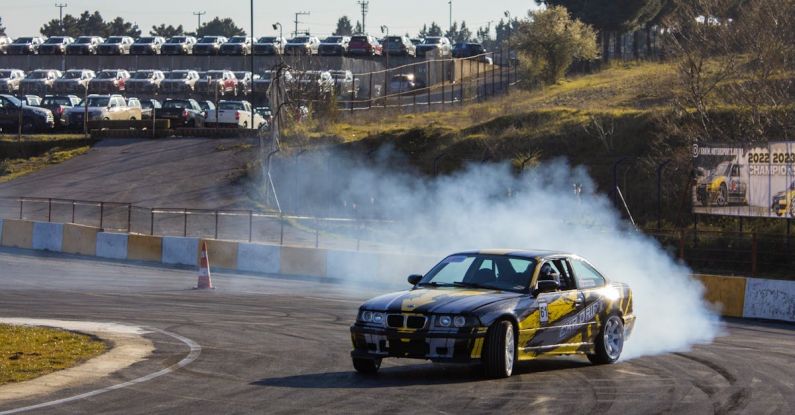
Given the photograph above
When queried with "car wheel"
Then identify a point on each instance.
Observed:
(245, 124)
(500, 351)
(609, 342)
(366, 366)
(723, 196)
(792, 207)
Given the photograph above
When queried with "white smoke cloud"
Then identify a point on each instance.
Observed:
(488, 206)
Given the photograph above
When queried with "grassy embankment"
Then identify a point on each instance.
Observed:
(33, 153)
(30, 352)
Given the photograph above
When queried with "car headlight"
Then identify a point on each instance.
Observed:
(372, 317)
(454, 321)
(367, 316)
(445, 321)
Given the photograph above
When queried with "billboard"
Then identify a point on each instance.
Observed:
(735, 181)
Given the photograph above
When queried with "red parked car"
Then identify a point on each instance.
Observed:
(364, 45)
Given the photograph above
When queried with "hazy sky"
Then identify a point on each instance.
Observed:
(25, 17)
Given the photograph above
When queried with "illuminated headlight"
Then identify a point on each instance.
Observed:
(367, 316)
(445, 321)
(453, 321)
(371, 317)
(460, 321)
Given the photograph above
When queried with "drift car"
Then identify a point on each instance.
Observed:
(722, 186)
(784, 202)
(496, 307)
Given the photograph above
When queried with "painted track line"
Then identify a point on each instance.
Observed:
(195, 351)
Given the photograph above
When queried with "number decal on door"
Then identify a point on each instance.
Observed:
(542, 310)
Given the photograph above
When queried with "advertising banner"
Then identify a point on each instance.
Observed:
(736, 181)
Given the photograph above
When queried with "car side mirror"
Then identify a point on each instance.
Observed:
(546, 286)
(414, 279)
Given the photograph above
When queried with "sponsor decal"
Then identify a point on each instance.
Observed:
(571, 325)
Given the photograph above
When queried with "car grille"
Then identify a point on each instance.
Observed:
(403, 321)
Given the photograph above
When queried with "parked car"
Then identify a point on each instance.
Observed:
(148, 107)
(225, 81)
(84, 45)
(270, 45)
(110, 81)
(149, 45)
(182, 113)
(234, 114)
(34, 119)
(315, 83)
(364, 45)
(497, 307)
(31, 100)
(237, 45)
(4, 42)
(404, 83)
(58, 104)
(25, 46)
(73, 81)
(244, 82)
(334, 46)
(435, 46)
(10, 80)
(266, 114)
(100, 107)
(468, 50)
(39, 81)
(345, 83)
(115, 45)
(146, 81)
(179, 81)
(416, 41)
(178, 45)
(302, 45)
(56, 45)
(209, 45)
(399, 45)
(206, 106)
(134, 108)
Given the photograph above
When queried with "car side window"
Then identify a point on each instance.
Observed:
(566, 280)
(586, 276)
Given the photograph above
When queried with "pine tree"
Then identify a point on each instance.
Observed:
(344, 27)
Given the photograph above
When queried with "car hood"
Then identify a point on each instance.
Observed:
(437, 300)
(35, 110)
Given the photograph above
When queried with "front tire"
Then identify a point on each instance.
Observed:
(723, 196)
(792, 207)
(609, 342)
(366, 366)
(500, 351)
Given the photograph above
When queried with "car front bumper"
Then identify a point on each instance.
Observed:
(450, 345)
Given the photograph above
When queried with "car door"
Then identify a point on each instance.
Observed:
(8, 114)
(589, 283)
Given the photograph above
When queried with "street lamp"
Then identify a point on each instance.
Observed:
(281, 31)
(450, 27)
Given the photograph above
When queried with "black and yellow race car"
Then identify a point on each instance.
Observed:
(497, 307)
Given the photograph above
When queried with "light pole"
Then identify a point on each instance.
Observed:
(281, 39)
(385, 29)
(450, 27)
(252, 65)
(510, 27)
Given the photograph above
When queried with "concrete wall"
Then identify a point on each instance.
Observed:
(112, 245)
(770, 299)
(80, 240)
(47, 236)
(726, 293)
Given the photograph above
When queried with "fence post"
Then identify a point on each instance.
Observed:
(73, 211)
(49, 210)
(185, 223)
(353, 94)
(493, 76)
(444, 78)
(281, 232)
(21, 202)
(152, 222)
(428, 81)
(477, 82)
(101, 214)
(250, 224)
(502, 69)
(216, 224)
(461, 87)
(370, 93)
(754, 253)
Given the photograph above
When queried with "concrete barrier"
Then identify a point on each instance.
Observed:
(222, 254)
(47, 236)
(112, 245)
(351, 265)
(265, 259)
(727, 293)
(770, 299)
(180, 251)
(144, 248)
(303, 261)
(80, 240)
(17, 234)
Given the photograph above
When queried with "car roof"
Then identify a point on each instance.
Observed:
(535, 253)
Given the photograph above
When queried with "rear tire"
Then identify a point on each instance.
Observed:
(609, 342)
(499, 353)
(366, 366)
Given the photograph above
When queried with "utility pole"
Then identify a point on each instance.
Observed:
(365, 4)
(297, 22)
(450, 27)
(61, 6)
(199, 15)
(251, 55)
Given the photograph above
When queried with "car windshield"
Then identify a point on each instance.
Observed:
(269, 39)
(213, 74)
(177, 40)
(5, 74)
(38, 75)
(96, 102)
(237, 39)
(55, 41)
(73, 75)
(208, 39)
(143, 75)
(23, 40)
(106, 75)
(83, 40)
(206, 105)
(145, 40)
(177, 75)
(232, 106)
(113, 40)
(433, 41)
(359, 39)
(497, 272)
(174, 103)
(394, 40)
(53, 101)
(149, 104)
(299, 40)
(333, 39)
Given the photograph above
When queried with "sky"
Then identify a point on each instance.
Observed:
(25, 17)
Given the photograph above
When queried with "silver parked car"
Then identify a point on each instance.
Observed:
(39, 82)
(84, 45)
(302, 45)
(223, 80)
(179, 81)
(4, 42)
(244, 82)
(56, 45)
(178, 45)
(399, 45)
(10, 80)
(73, 81)
(334, 46)
(149, 45)
(100, 107)
(25, 46)
(435, 47)
(209, 45)
(110, 81)
(116, 45)
(237, 45)
(145, 81)
(270, 45)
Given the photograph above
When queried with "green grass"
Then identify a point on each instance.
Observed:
(30, 352)
(13, 168)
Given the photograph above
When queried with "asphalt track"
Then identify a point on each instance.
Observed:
(278, 345)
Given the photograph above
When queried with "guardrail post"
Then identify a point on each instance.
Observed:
(281, 232)
(444, 78)
(477, 82)
(21, 202)
(185, 222)
(428, 82)
(129, 217)
(216, 224)
(152, 222)
(101, 214)
(370, 93)
(73, 210)
(754, 253)
(49, 210)
(461, 87)
(317, 236)
(493, 76)
(250, 224)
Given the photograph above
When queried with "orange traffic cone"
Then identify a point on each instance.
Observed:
(205, 283)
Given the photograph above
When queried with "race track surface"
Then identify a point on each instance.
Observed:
(276, 345)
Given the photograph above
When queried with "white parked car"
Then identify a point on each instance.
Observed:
(234, 114)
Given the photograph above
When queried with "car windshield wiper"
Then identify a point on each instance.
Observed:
(472, 285)
(434, 284)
